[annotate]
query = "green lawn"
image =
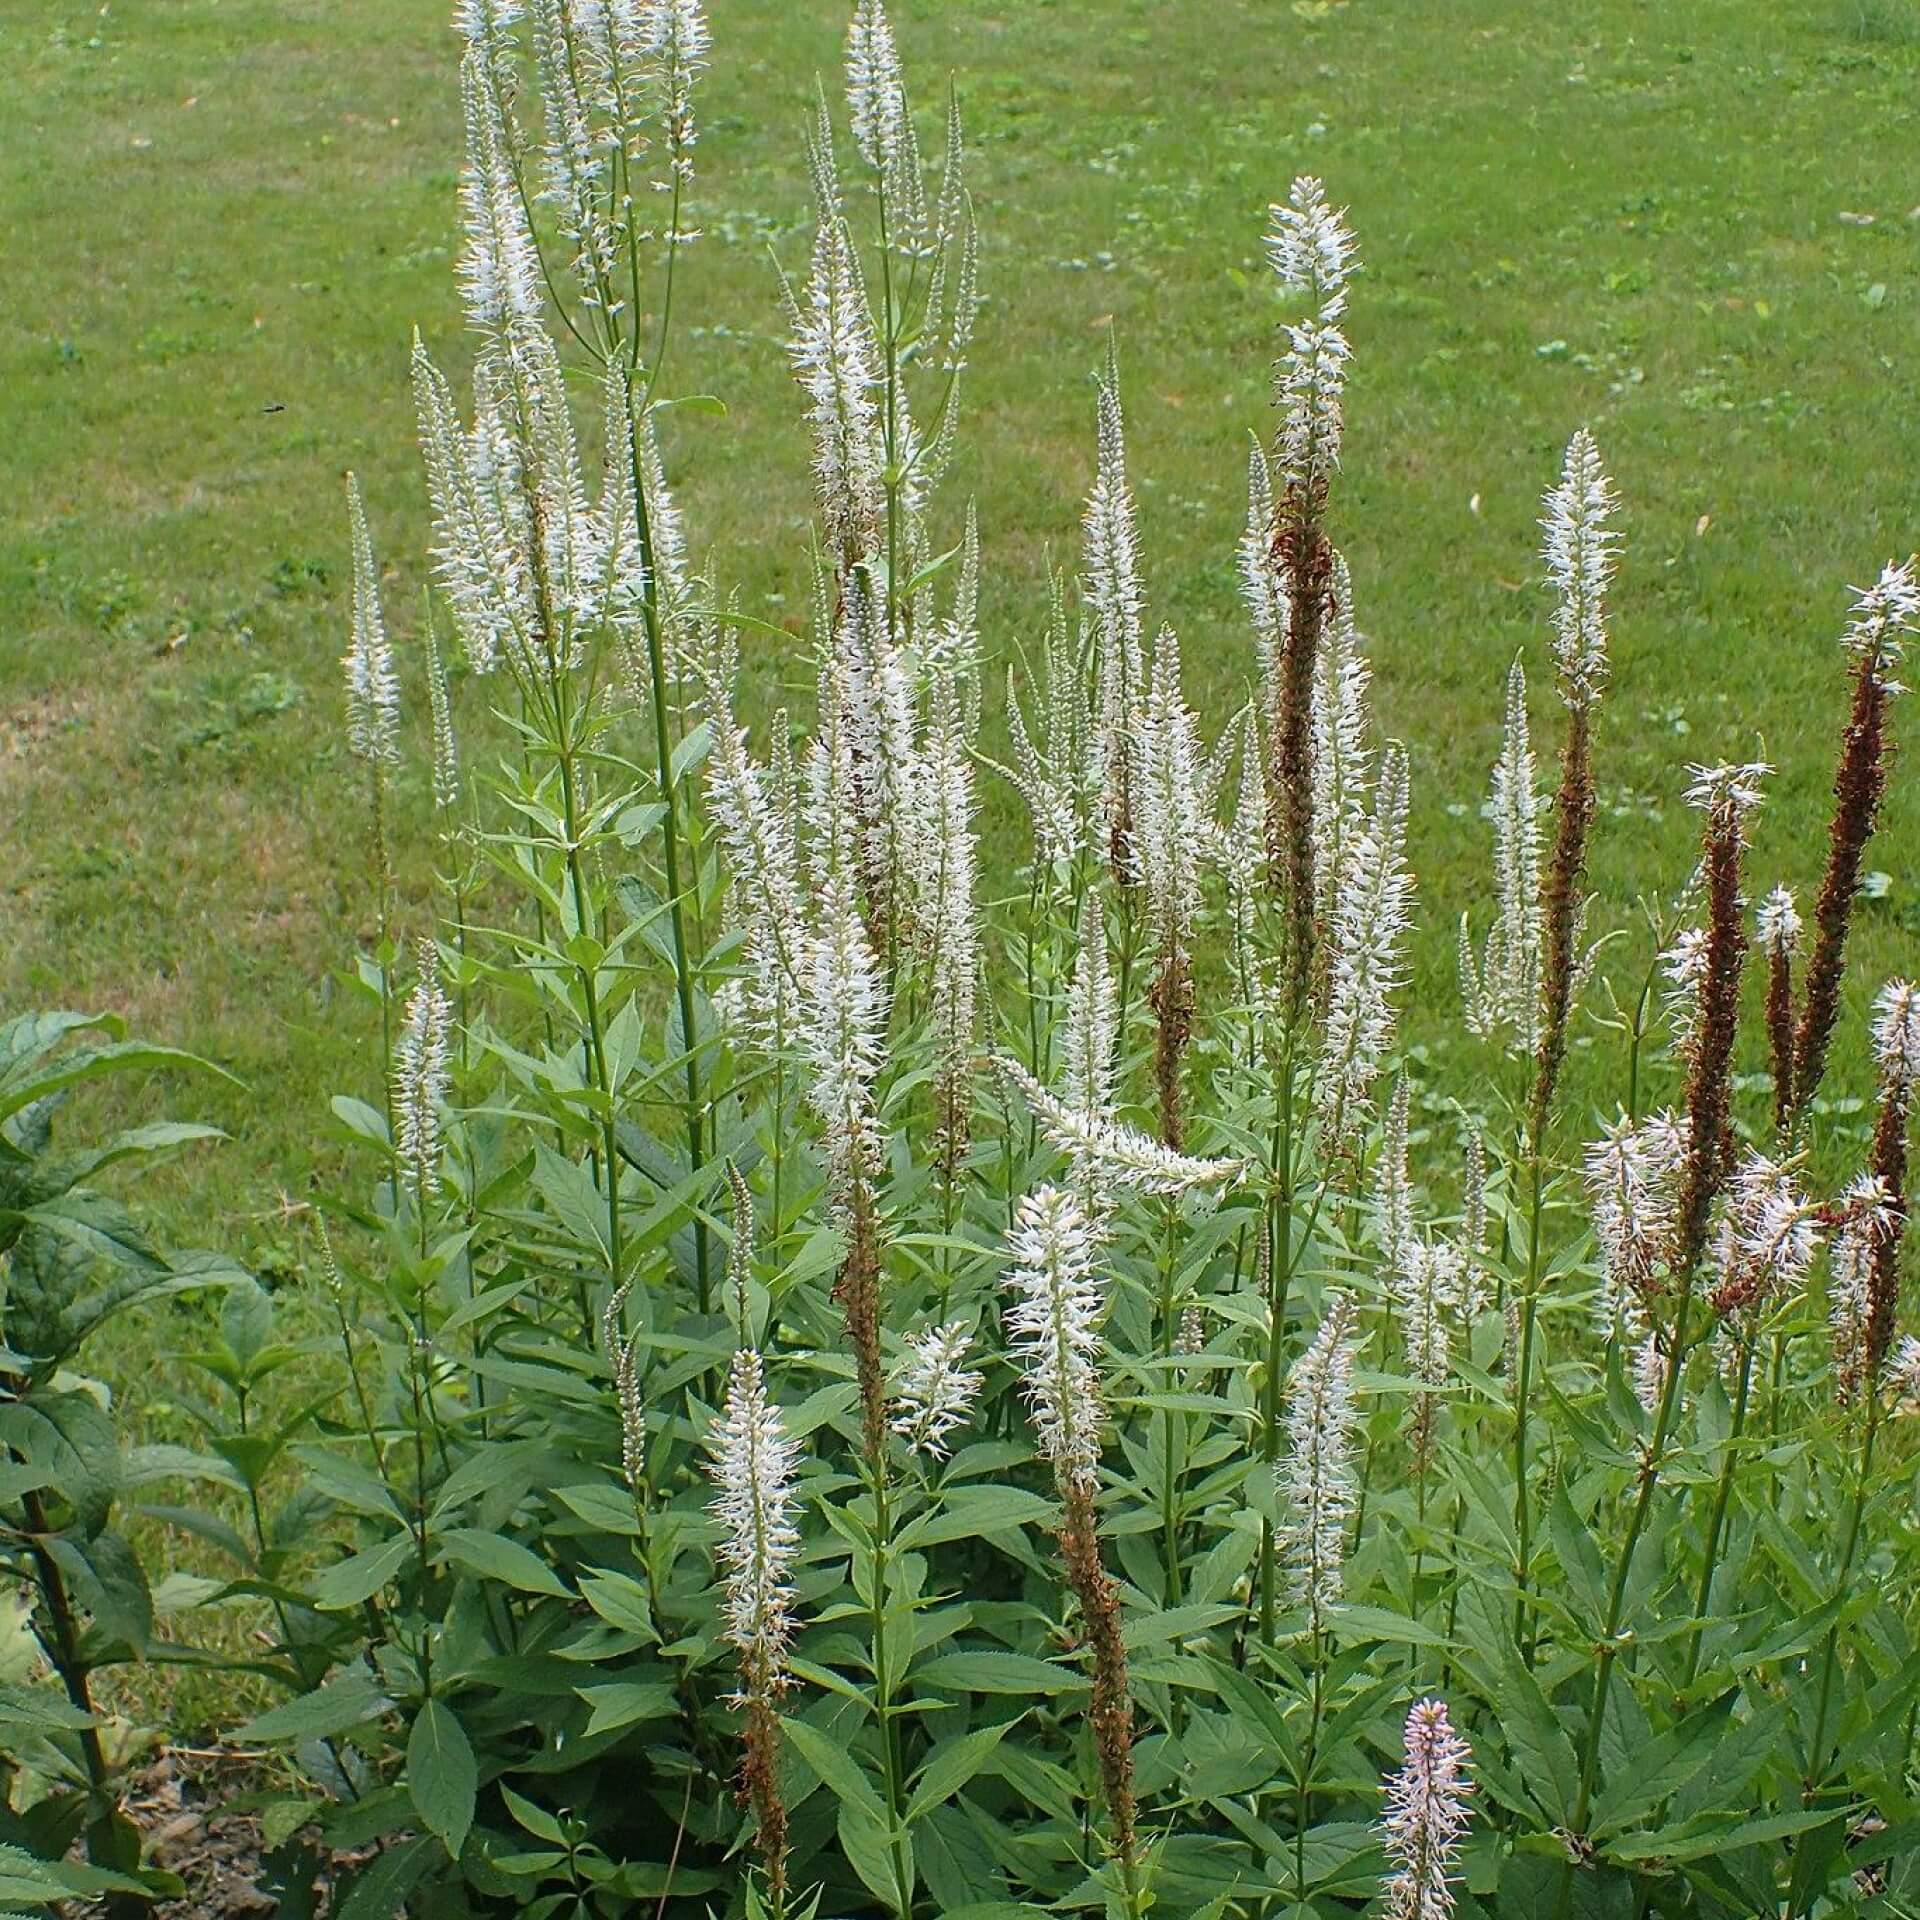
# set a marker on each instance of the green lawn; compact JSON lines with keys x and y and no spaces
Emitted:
{"x":1692,"y":228}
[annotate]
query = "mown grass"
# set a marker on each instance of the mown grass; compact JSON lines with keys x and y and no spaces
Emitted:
{"x":1692,"y":230}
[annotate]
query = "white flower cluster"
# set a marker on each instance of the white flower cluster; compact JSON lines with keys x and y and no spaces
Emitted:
{"x":1059,"y":1301}
{"x":752,"y":1462}
{"x":1311,"y":251}
{"x":1883,"y":615}
{"x":933,"y":1389}
{"x":1366,"y":955}
{"x":1579,"y":551}
{"x":1426,"y":1815}
{"x":373,"y":689}
{"x":1503,"y":989}
{"x":1316,"y":1480}
{"x":420,"y":1075}
{"x":1341,"y":733}
{"x":1632,"y":1176}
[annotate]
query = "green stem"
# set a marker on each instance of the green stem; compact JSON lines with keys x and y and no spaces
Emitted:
{"x":1279,"y":1229}
{"x":1522,"y":1397}
{"x":1722,"y":1498}
{"x":1175,"y":1424}
{"x":1609,"y":1649}
{"x":565,"y":750}
{"x":1308,"y":1760}
{"x":670,"y":840}
{"x":1816,"y":1753}
{"x":883,"y":1691}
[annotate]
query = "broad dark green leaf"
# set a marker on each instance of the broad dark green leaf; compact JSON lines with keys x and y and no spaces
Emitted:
{"x":441,"y":1774}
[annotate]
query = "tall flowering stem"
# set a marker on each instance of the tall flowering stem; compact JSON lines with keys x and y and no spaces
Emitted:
{"x":1579,"y":552}
{"x":1173,"y":806}
{"x":1726,"y":795}
{"x":1115,"y":599}
{"x":640,"y":456}
{"x":1059,"y":1300}
{"x":1318,"y":1491}
{"x":1896,"y":1048}
{"x":1312,"y":252}
{"x":1882,"y":616}
{"x":752,"y":1465}
{"x":1777,"y":933}
{"x":373,"y":737}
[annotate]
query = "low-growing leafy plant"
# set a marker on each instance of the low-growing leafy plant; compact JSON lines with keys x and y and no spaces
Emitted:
{"x":881,"y":1375}
{"x":73,"y":1257}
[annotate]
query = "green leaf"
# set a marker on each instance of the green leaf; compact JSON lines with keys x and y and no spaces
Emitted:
{"x":26,"y":1880}
{"x":1697,"y":1839}
{"x":90,"y":1064}
{"x":870,"y":1848}
{"x":1662,"y":1769}
{"x":342,"y":1704}
{"x":381,"y":1890}
{"x":619,"y":1600}
{"x":536,"y":1820}
{"x":1579,"y":1558}
{"x":1540,"y":1744}
{"x":837,"y":1768}
{"x":494,"y":1557}
{"x":441,"y":1775}
{"x":350,"y":1582}
{"x":1377,"y":1623}
{"x":359,"y":1118}
{"x":982,"y":1670}
{"x":110,"y":1582}
{"x":40,"y":1708}
{"x":952,"y":1764}
{"x":969,"y":1512}
{"x":602,"y":1505}
{"x":621,"y":1703}
{"x":70,"y":1436}
{"x":1173,"y":1623}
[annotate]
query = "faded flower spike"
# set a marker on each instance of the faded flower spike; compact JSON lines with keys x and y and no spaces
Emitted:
{"x":1054,"y":1326}
{"x":1767,"y":1239}
{"x":420,"y":1075}
{"x":1426,"y":1815}
{"x":933,"y":1391}
{"x":373,"y":689}
{"x":1883,"y":615}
